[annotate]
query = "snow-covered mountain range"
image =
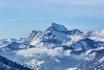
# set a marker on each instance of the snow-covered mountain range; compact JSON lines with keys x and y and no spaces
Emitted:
{"x":56,"y":48}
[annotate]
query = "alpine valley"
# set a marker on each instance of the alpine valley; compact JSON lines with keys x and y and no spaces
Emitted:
{"x":56,"y":48}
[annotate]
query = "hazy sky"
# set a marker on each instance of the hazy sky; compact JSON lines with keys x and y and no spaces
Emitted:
{"x":20,"y":17}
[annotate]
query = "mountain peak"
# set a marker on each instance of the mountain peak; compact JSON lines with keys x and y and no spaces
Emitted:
{"x":57,"y":27}
{"x":53,"y":24}
{"x":56,"y":33}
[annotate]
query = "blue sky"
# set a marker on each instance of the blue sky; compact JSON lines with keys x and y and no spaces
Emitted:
{"x":19,"y":17}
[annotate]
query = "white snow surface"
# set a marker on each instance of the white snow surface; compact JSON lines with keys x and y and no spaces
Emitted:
{"x":101,"y":60}
{"x":98,"y":36}
{"x":54,"y":58}
{"x":72,"y":68}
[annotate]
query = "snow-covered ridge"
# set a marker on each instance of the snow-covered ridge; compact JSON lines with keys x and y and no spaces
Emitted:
{"x":56,"y":48}
{"x":55,"y":34}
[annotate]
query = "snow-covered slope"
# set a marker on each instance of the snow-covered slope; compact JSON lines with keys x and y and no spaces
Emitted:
{"x":94,"y":59}
{"x":57,"y":48}
{"x":55,"y":35}
{"x":98,"y":35}
{"x":4,"y":43}
{"x":86,"y":44}
{"x":34,"y":37}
